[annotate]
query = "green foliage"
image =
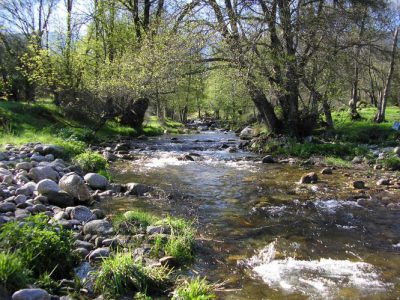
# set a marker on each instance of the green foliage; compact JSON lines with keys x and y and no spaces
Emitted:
{"x":47,"y":283}
{"x":13,"y":273}
{"x":90,"y":161}
{"x":391,"y":163}
{"x":180,"y":242}
{"x":194,"y":289}
{"x":77,"y":134}
{"x":43,"y":247}
{"x":142,"y":218}
{"x":336,"y":161}
{"x":141,"y":296}
{"x":365,"y":131}
{"x":306,"y":150}
{"x":121,"y":274}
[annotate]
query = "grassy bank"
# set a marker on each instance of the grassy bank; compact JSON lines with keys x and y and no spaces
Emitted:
{"x":22,"y":123}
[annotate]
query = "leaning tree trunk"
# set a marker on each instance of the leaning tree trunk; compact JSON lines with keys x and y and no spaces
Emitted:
{"x":380,"y":116}
{"x":134,"y":115}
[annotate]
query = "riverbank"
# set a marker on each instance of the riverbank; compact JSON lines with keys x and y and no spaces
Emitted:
{"x":53,"y":231}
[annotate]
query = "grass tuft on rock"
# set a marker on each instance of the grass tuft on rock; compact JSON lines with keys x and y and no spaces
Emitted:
{"x":91,"y":162}
{"x":121,"y":274}
{"x":194,"y":289}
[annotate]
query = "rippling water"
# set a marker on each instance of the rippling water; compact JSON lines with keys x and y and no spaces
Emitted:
{"x":262,"y":233}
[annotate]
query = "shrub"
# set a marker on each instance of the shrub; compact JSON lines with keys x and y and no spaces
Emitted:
{"x":74,"y":134}
{"x":13,"y":273}
{"x":71,"y":148}
{"x":121,"y":274}
{"x":391,"y":163}
{"x":195,"y":289}
{"x":91,"y":162}
{"x":43,"y":247}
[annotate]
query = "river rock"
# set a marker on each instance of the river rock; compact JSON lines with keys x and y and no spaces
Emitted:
{"x":50,"y":149}
{"x":246,"y":134}
{"x":98,"y":227}
{"x":309,"y":178}
{"x":357,"y":160}
{"x":23,"y":166}
{"x":47,"y":186}
{"x":74,"y":185}
{"x":326,"y":171}
{"x":168,"y":261}
{"x":4,"y":172}
{"x":96,"y":181}
{"x":8,"y":179}
{"x":359,"y":184}
{"x":39,"y":173}
{"x":268,"y":159}
{"x":4,"y":156}
{"x":31,"y":294}
{"x":60,"y":198}
{"x":82,"y":244}
{"x":82,"y":214}
{"x":383,"y":181}
{"x":7,"y":207}
{"x":159,"y":229}
{"x":99,"y":254}
{"x":38,"y":158}
{"x":137,"y":189}
{"x":109,"y":156}
{"x":27,"y":189}
{"x":397,"y":150}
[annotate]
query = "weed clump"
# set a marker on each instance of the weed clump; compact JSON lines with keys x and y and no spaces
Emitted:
{"x":43,"y":247}
{"x":121,"y":274}
{"x":91,"y":162}
{"x":194,"y":289}
{"x":13,"y":273}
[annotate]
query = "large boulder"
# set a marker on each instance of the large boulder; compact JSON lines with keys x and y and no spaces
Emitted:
{"x":39,"y":173}
{"x":96,"y":181}
{"x":246,"y":134}
{"x":74,"y":185}
{"x":47,"y":186}
{"x":31,"y":294}
{"x":98,"y":227}
{"x":82,"y":214}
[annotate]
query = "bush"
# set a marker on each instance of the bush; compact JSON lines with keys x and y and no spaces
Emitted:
{"x":74,"y":134}
{"x":195,"y":289}
{"x":391,"y":163}
{"x":43,"y":247}
{"x":121,"y":274}
{"x":91,"y":162}
{"x":13,"y":273}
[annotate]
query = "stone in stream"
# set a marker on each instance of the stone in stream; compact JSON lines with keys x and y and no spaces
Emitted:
{"x":137,"y":189}
{"x":326,"y":171}
{"x":246,"y":134}
{"x":74,"y":185}
{"x":99,"y":254}
{"x":357,"y":160}
{"x":23,"y":166}
{"x":109,"y":156}
{"x":268,"y":159}
{"x":27,"y":189}
{"x":383,"y":181}
{"x":60,"y":198}
{"x":397,"y":150}
{"x":359,"y":184}
{"x":309,"y":178}
{"x":7,"y":207}
{"x":31,"y":294}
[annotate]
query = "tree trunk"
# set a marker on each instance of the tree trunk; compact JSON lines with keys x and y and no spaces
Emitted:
{"x":380,"y":116}
{"x":134,"y":116}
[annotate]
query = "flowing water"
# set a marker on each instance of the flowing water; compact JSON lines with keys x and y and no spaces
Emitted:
{"x":260,"y":232}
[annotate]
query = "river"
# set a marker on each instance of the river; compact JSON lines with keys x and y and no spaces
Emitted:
{"x":260,"y":232}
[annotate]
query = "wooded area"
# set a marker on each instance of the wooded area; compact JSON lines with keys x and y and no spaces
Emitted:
{"x":288,"y":63}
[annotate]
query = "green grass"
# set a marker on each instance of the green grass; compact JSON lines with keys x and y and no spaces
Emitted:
{"x":365,"y":131}
{"x":338,"y":162}
{"x":13,"y":273}
{"x":121,"y":274}
{"x":194,"y":289}
{"x":43,"y":247}
{"x":142,"y":218}
{"x":391,"y":163}
{"x":154,"y":126}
